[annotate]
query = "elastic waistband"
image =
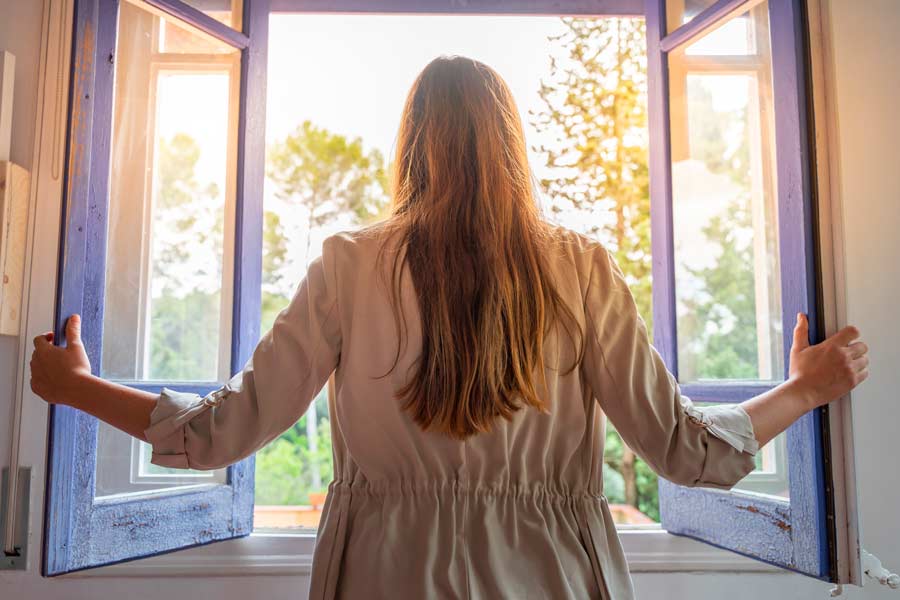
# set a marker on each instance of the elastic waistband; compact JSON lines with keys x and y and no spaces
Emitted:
{"x":462,"y":488}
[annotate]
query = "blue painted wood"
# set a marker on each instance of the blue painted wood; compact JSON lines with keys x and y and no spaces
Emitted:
{"x":249,"y":229}
{"x":730,"y":520}
{"x":714,"y":14}
{"x":620,"y":8}
{"x":155,"y":387}
{"x":80,"y":531}
{"x":661,"y":237}
{"x":68,"y":434}
{"x":793,"y":534}
{"x":724,"y":392}
{"x":805,"y":442}
{"x":202,"y":21}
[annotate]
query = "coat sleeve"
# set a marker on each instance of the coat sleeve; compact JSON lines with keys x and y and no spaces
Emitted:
{"x":289,"y":366}
{"x":686,"y":444}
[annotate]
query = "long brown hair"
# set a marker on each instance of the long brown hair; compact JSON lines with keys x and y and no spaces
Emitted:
{"x":475,"y":243}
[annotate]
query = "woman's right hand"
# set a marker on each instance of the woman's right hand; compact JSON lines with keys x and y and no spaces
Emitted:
{"x":54,"y":369}
{"x":828,"y":370}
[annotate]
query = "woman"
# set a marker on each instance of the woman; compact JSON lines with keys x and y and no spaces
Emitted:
{"x":476,"y":350}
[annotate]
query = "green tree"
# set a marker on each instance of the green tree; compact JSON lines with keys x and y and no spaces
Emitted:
{"x":275,"y":252}
{"x":329,"y":175}
{"x":721,"y":317}
{"x":188,"y":224}
{"x":284,"y":468}
{"x":595,"y":103}
{"x":717,"y":321}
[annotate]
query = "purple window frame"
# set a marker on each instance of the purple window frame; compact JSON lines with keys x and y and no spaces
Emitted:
{"x":81,"y":531}
{"x":799,"y":533}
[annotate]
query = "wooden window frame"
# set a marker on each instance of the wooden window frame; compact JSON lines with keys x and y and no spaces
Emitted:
{"x":799,"y":534}
{"x":202,"y":513}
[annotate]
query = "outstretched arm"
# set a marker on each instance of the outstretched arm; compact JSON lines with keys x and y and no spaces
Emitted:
{"x":289,"y":365}
{"x":709,"y":446}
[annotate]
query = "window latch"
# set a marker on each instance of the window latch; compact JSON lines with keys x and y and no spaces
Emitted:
{"x":13,"y":557}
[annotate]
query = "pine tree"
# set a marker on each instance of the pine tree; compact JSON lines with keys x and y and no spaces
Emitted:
{"x":595,"y":104}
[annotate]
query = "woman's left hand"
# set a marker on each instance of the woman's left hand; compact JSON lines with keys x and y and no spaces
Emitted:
{"x":54,"y":368}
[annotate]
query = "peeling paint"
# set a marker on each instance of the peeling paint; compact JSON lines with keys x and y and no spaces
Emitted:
{"x":780,"y":523}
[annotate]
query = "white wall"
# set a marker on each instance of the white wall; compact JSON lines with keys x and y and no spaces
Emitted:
{"x":866,"y":39}
{"x":19,"y":34}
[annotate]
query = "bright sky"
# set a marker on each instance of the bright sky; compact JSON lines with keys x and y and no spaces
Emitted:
{"x":351,"y":73}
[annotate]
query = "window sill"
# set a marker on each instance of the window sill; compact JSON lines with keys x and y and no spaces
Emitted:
{"x":647,"y":548}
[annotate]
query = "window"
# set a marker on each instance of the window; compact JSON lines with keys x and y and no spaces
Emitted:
{"x":725,"y":220}
{"x":169,"y":98}
{"x":733,"y":242}
{"x":168,"y":294}
{"x":161,"y":250}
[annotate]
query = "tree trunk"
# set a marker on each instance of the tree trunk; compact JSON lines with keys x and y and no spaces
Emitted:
{"x":629,"y":474}
{"x":312,"y":424}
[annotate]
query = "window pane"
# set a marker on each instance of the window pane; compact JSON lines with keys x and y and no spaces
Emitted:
{"x":168,"y":287}
{"x":123,"y":467}
{"x":727,"y":271}
{"x":167,"y":305}
{"x":679,"y":12}
{"x":771,"y":474}
{"x":734,"y":37}
{"x":224,"y":11}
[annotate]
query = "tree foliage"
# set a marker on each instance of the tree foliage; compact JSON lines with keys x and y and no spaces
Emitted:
{"x":329,"y":176}
{"x":595,"y":103}
{"x":717,"y":320}
{"x":188,"y":223}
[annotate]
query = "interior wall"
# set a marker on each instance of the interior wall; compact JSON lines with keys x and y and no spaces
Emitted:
{"x":20,"y":32}
{"x":867,"y":84}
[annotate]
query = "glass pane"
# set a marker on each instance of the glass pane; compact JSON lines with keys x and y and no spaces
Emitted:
{"x":551,"y":65}
{"x":167,"y":310}
{"x":123,"y":467}
{"x":727,"y":271}
{"x":734,"y":37}
{"x":771,"y":474}
{"x":224,"y":11}
{"x":170,"y":244}
{"x":679,"y":12}
{"x":174,"y":37}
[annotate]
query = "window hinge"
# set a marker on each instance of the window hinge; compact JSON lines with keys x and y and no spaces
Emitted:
{"x":14,"y":558}
{"x":872,"y":567}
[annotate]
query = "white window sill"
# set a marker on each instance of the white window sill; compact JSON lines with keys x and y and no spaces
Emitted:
{"x":647,"y":548}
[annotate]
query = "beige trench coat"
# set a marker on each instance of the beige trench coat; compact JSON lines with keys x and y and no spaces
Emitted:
{"x":517,"y":513}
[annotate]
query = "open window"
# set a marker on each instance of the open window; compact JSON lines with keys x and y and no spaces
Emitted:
{"x":161,"y":252}
{"x":735,"y":259}
{"x":172,"y":255}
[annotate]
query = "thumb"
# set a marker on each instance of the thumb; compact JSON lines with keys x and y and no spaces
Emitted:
{"x":73,"y":330}
{"x":801,"y":334}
